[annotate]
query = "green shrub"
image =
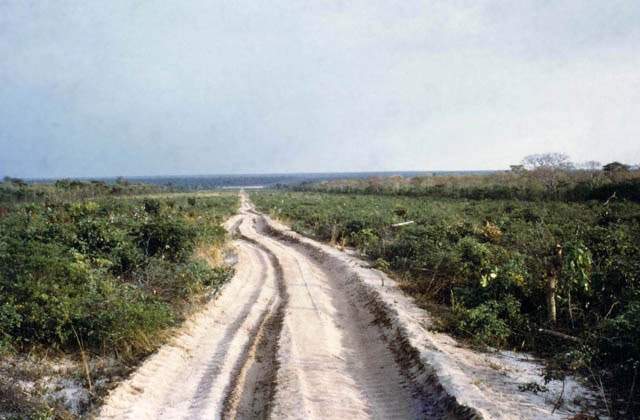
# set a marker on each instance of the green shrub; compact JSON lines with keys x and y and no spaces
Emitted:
{"x":365,"y":240}
{"x":482,"y":324}
{"x":475,"y":262}
{"x":10,"y":321}
{"x":151,"y":206}
{"x":103,"y":273}
{"x":166,"y":238}
{"x":492,"y":323}
{"x":618,"y":343}
{"x":176,"y":282}
{"x":123,"y":317}
{"x":400,"y":211}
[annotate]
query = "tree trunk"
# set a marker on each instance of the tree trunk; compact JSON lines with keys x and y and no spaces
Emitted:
{"x":552,"y":283}
{"x":570,"y":308}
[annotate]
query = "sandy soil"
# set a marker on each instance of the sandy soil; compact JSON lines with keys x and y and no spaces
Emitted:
{"x":304,"y":331}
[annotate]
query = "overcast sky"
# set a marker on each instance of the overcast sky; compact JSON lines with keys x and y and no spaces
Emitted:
{"x":141,"y":87}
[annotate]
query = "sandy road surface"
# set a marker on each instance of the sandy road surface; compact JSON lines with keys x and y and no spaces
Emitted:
{"x":285,"y":339}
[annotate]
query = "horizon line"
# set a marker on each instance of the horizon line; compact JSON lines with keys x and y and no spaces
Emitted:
{"x":99,"y":177}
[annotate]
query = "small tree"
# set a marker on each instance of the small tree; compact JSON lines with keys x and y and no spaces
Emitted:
{"x":517,"y":169}
{"x":590,"y":165}
{"x":554,"y":265}
{"x":592,"y":170}
{"x":615,"y":167}
{"x":616,"y":171}
{"x":554,"y":161}
{"x":548,"y":168}
{"x":576,"y":271}
{"x":15,"y":181}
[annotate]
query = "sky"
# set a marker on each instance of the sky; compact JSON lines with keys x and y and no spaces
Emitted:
{"x":141,"y":87}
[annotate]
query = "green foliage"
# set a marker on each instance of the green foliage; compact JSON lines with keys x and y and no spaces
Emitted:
{"x":475,"y":263}
{"x":14,"y":191}
{"x":152,"y":206}
{"x":621,"y":338}
{"x":491,"y":323}
{"x":577,"y":266}
{"x":111,"y":273}
{"x":400,"y":211}
{"x":364,"y":239}
{"x":483,"y":324}
{"x":381,"y":264}
{"x":549,"y":182}
{"x":175,"y":283}
{"x":167,"y":238}
{"x":617,"y":346}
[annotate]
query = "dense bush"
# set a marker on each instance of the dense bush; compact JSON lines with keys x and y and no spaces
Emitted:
{"x":507,"y":268}
{"x":13,"y":190}
{"x":166,"y":238}
{"x":110,"y":274}
{"x":490,"y":323}
{"x":534,"y":185}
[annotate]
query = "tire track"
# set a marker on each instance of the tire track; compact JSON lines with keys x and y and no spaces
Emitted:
{"x":345,"y":370}
{"x":197,"y":408}
{"x":252,"y":389}
{"x":190,"y":377}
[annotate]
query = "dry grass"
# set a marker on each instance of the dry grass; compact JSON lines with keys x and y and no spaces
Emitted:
{"x":212,"y":254}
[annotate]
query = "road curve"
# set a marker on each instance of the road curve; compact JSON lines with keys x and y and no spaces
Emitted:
{"x":287,"y":338}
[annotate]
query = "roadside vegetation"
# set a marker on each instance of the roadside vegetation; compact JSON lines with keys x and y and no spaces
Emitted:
{"x":14,"y":191}
{"x":540,"y":177}
{"x":554,"y":273}
{"x":90,"y":275}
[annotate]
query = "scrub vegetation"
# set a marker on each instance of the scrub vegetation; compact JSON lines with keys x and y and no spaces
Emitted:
{"x":85,"y":273}
{"x":547,"y":274}
{"x":14,"y":191}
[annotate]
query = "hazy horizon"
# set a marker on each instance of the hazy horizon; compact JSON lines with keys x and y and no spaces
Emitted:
{"x":139,"y":88}
{"x":401,"y":172}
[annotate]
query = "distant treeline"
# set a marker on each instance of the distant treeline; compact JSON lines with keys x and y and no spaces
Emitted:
{"x":532,"y":182}
{"x":628,"y":189}
{"x":15,"y":190}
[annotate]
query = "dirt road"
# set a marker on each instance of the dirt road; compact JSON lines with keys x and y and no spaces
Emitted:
{"x":305,"y":331}
{"x":287,"y":338}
